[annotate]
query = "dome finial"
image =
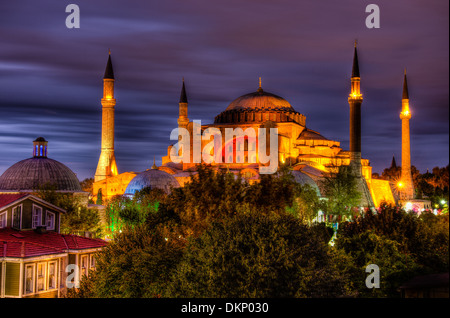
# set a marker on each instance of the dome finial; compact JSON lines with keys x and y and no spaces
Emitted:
{"x":154,"y":163}
{"x":260,"y":88}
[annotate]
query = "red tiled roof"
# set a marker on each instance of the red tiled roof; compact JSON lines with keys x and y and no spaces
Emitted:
{"x":8,"y":198}
{"x":15,"y":243}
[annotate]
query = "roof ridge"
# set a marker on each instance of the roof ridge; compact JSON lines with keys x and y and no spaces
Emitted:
{"x":32,"y":242}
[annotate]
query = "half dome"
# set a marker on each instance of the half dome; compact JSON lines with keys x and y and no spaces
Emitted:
{"x":308,"y":134}
{"x":152,"y":178}
{"x":303,"y":178}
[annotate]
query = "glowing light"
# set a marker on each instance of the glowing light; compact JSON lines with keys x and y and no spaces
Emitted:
{"x":443,"y":202}
{"x":400,"y":184}
{"x":408,"y":206}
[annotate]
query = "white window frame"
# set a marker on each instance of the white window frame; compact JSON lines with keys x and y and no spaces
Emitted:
{"x":47,"y":213}
{"x":55,"y":275}
{"x":13,"y":211}
{"x":92,"y":261}
{"x":44,"y":278}
{"x":3,"y":223}
{"x":85,"y":269}
{"x":33,"y":215}
{"x":33,"y":287}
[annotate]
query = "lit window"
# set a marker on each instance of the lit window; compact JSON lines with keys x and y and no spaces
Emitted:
{"x":84,"y":265}
{"x":17,"y":217}
{"x":36,"y":217}
{"x":92,"y":261}
{"x":50,"y":220}
{"x":40,"y":277}
{"x":51,"y":275}
{"x":29,"y":279}
{"x":2,"y":220}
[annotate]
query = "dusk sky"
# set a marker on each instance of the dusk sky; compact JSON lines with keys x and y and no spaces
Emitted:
{"x":51,"y":76}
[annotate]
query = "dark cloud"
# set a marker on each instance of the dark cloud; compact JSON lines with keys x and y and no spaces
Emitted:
{"x":51,"y":76}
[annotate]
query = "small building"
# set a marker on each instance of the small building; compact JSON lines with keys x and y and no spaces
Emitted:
{"x":34,"y":256}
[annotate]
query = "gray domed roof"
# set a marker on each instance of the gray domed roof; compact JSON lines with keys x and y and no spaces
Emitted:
{"x":303,"y":179}
{"x":33,"y":173}
{"x":152,"y":178}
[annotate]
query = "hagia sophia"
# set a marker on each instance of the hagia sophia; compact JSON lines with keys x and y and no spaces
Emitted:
{"x":311,"y":155}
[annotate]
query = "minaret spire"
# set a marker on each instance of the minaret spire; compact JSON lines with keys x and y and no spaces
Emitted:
{"x":183,"y":119}
{"x":393,"y":163}
{"x":355,"y":68}
{"x":405,"y":94}
{"x":109,"y":73}
{"x":183,"y":96}
{"x":107,"y":166}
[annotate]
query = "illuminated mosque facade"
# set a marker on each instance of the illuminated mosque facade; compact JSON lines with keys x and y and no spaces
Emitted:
{"x":311,"y":155}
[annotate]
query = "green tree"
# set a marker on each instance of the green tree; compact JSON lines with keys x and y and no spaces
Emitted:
{"x":394,"y":266}
{"x":78,"y":217}
{"x":87,"y":185}
{"x":306,"y":205}
{"x":255,"y":254}
{"x":342,"y":194}
{"x":402,"y":243}
{"x":210,"y":195}
{"x":137,"y":263}
{"x":99,"y":200}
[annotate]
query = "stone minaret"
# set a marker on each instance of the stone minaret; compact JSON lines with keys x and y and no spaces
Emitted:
{"x":183,"y":119}
{"x":406,"y":187}
{"x":107,"y":162}
{"x":355,"y":100}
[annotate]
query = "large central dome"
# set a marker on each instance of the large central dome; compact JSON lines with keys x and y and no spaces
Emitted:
{"x":260,"y":100}
{"x":259,"y":107}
